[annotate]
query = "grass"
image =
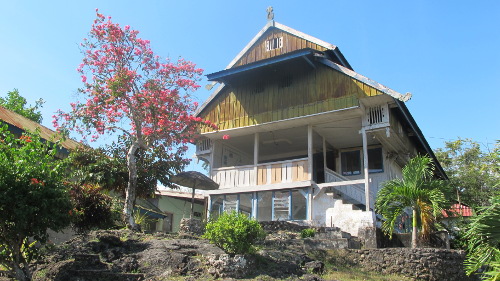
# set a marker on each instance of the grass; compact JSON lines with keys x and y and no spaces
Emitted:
{"x":354,"y":273}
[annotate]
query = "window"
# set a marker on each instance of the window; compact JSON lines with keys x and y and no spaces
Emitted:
{"x":274,"y":43}
{"x":351,"y":163}
{"x":375,"y":163}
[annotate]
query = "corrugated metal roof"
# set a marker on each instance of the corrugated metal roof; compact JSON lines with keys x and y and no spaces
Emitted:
{"x":457,"y":210}
{"x":179,"y":194}
{"x":26,"y":124}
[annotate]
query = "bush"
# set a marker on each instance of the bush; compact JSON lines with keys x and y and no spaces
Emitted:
{"x":307,"y":233}
{"x":235,"y":233}
{"x":91,"y":208}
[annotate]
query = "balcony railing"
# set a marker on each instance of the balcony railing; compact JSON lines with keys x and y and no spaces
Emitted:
{"x":262,"y":174}
{"x":203,"y":146}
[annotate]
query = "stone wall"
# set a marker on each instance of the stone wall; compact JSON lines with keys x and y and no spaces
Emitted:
{"x":420,"y":264}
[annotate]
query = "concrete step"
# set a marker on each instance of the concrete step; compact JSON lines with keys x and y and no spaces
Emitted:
{"x":325,"y":244}
{"x":331,"y":233}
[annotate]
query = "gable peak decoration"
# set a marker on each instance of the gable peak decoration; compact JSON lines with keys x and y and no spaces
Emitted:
{"x":270,"y":13}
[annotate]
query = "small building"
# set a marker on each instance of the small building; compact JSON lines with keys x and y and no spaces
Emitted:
{"x":301,"y":136}
{"x":176,"y":205}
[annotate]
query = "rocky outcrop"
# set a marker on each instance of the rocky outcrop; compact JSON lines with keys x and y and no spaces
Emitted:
{"x":420,"y":264}
{"x":124,"y":255}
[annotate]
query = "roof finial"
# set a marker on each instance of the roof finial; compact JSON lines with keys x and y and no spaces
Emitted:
{"x":270,"y":14}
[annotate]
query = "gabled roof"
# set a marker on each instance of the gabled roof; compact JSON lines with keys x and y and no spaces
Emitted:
{"x":273,"y":24}
{"x":25,"y":124}
{"x":332,"y":52}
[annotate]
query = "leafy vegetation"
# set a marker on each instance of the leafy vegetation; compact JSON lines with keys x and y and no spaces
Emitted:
{"x":307,"y":233}
{"x":234,"y":232}
{"x":33,"y":198}
{"x":417,"y":190}
{"x":483,"y":237}
{"x":15,"y":102}
{"x":474,"y":172}
{"x":91,"y":208}
{"x":132,"y":93}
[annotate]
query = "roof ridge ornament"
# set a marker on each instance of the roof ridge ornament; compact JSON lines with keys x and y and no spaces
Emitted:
{"x":270,"y":13}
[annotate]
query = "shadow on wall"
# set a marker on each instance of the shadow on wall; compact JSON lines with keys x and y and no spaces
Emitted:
{"x":439,"y":239}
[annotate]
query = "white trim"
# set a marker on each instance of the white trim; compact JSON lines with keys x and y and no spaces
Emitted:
{"x":364,"y":79}
{"x":340,"y":183}
{"x":269,"y":187}
{"x":284,"y":28}
{"x":209,"y":99}
{"x":305,"y":36}
{"x":254,"y":40}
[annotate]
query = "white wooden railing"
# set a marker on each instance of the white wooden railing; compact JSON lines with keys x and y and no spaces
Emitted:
{"x":262,"y":174}
{"x":352,"y":189}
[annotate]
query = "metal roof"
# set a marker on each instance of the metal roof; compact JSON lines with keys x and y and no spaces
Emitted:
{"x":26,"y":124}
{"x":221,"y":75}
{"x":457,"y":210}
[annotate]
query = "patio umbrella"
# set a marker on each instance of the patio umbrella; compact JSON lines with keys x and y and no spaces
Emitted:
{"x":193,"y":179}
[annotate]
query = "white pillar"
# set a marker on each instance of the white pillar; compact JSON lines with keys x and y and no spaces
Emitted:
{"x":310,"y":151}
{"x":209,"y":207}
{"x":310,"y":204}
{"x":365,"y":166}
{"x":324,"y":155}
{"x":255,"y":157}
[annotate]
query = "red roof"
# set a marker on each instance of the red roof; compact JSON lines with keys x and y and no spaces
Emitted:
{"x":457,"y":210}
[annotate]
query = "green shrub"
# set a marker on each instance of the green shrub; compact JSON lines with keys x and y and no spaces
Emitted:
{"x":235,"y":233}
{"x":308,"y":232}
{"x":91,"y":208}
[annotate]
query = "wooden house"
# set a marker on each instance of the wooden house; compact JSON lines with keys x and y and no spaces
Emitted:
{"x":301,"y":136}
{"x":18,"y":124}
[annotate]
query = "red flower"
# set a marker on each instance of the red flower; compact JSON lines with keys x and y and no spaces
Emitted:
{"x":34,"y":181}
{"x":225,"y":137}
{"x":25,"y":138}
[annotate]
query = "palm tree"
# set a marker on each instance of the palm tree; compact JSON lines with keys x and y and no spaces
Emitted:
{"x":417,"y":190}
{"x":483,"y":241}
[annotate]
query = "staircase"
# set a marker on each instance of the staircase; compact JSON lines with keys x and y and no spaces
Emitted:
{"x":332,"y":238}
{"x":325,"y":237}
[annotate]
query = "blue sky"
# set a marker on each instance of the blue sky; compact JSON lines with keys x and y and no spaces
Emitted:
{"x":446,"y":53}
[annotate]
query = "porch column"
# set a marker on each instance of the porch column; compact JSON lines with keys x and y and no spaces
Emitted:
{"x":254,"y":205}
{"x":365,"y":166}
{"x":255,"y":157}
{"x":310,"y":168}
{"x":212,"y":155}
{"x":310,"y":151}
{"x":324,"y":154}
{"x":309,"y":203}
{"x":209,"y":207}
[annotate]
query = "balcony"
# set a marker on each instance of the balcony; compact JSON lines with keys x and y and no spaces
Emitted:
{"x":263,"y":174}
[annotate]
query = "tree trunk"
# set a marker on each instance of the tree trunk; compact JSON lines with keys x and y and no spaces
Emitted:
{"x":22,"y":274}
{"x":415,"y":229}
{"x":130,"y":193}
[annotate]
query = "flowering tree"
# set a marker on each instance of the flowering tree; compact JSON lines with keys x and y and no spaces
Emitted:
{"x":130,"y":91}
{"x":33,"y":198}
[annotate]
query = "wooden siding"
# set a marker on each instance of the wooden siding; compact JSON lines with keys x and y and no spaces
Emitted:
{"x":267,"y":173}
{"x":310,"y":92}
{"x":290,"y":43}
